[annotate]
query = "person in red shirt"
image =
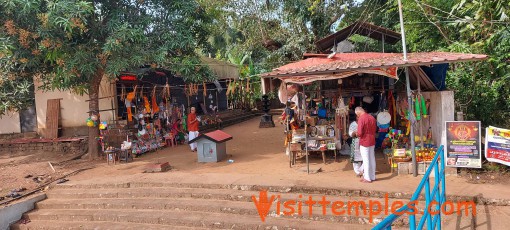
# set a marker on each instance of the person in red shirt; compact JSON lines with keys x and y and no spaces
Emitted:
{"x":367,"y":127}
{"x":192,"y":128}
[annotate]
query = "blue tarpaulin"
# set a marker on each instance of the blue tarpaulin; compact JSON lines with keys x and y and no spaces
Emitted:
{"x":437,"y":73}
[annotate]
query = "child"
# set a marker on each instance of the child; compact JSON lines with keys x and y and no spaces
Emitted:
{"x":177,"y":131}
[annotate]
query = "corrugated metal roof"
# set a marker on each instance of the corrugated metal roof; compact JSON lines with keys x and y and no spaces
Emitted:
{"x":361,"y":28}
{"x":357,"y":61}
{"x":224,"y":70}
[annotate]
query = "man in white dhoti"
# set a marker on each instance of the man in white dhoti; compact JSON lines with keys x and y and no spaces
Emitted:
{"x":193,"y":123}
{"x":356,"y":159}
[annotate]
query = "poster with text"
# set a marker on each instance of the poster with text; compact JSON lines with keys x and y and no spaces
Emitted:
{"x":497,"y":145}
{"x":463,"y":144}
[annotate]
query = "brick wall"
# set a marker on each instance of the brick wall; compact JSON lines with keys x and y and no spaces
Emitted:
{"x":71,"y":148}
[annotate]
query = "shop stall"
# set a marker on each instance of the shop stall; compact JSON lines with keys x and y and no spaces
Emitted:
{"x":322,"y":91}
{"x":152,"y":109}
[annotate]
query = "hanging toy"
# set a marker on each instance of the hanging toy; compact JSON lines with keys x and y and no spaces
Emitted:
{"x":417,"y":108}
{"x":408,"y":127}
{"x":426,"y":107}
{"x":103,"y":125}
{"x":146,"y":104}
{"x":90,"y":122}
{"x":429,"y":134}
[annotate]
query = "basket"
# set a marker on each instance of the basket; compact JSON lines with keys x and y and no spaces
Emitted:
{"x":401,"y":159}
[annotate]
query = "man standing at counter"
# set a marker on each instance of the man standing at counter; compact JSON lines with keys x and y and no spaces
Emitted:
{"x":367,"y":127}
{"x":193,"y":128}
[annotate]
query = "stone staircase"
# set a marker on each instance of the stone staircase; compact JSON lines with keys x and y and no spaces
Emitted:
{"x":189,"y":206}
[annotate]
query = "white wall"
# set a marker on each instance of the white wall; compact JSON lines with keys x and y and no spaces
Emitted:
{"x":10,"y":123}
{"x":74,"y":107}
{"x":442,"y":109}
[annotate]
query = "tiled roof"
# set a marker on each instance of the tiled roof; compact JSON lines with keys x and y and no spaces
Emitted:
{"x":320,"y":64}
{"x":217,"y":136}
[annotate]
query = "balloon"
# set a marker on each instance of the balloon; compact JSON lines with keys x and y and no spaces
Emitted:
{"x":90,"y":123}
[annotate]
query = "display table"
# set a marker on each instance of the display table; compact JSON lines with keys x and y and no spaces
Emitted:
{"x":296,"y":147}
{"x":111,"y":156}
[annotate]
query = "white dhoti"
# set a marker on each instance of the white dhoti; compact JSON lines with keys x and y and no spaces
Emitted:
{"x":368,"y":155}
{"x":356,"y":159}
{"x":192,"y":135}
{"x":358,"y":168}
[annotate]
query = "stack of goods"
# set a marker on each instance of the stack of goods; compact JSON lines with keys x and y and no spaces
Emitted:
{"x":426,"y":154}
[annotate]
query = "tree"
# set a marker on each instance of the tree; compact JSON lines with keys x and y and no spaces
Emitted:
{"x":74,"y":44}
{"x":456,"y":26}
{"x":275,"y":32}
{"x":469,"y":27}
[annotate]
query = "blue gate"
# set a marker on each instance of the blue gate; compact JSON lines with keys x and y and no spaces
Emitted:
{"x":433,"y":199}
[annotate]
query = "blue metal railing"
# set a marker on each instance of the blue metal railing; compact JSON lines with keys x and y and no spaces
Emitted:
{"x":433,"y":200}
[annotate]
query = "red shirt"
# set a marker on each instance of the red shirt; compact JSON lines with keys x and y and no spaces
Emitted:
{"x":192,"y":122}
{"x":367,"y":127}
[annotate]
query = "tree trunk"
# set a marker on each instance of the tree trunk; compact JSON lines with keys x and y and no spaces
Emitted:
{"x":94,"y":109}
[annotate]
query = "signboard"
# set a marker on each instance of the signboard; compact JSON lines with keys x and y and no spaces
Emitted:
{"x":463,"y":144}
{"x":128,"y":78}
{"x":497,"y":145}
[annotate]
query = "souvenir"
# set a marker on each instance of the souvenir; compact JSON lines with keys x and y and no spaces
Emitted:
{"x":383,"y":120}
{"x":90,"y":122}
{"x":103,"y":125}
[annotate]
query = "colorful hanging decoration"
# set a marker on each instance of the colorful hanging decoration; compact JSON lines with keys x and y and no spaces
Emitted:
{"x":424,"y":109}
{"x":417,"y":107}
{"x":91,"y":123}
{"x":103,"y":125}
{"x":392,"y":109}
{"x":155,"y":107}
{"x":166,"y":91}
{"x":146,"y":104}
{"x":130,"y":97}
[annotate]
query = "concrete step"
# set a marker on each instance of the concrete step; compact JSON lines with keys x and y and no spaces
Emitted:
{"x":351,"y":215}
{"x":182,"y":218}
{"x":96,"y":225}
{"x":213,"y":200}
{"x":249,"y":189}
{"x":203,"y":193}
{"x":219,"y":194}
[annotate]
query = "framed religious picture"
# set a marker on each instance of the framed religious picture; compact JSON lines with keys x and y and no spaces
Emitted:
{"x":463,"y":144}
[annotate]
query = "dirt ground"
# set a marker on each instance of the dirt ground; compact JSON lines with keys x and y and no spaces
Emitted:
{"x":485,"y":177}
{"x":257,"y":155}
{"x":24,"y":172}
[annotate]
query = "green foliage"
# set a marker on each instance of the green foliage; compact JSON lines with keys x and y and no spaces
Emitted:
{"x":482,"y":89}
{"x":73,"y":44}
{"x":274,"y":32}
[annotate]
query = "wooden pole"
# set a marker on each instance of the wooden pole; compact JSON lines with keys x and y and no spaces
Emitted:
{"x":306,"y":132}
{"x":421,"y":120}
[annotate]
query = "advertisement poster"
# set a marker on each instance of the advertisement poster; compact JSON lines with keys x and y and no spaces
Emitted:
{"x":463,"y":144}
{"x":497,"y":145}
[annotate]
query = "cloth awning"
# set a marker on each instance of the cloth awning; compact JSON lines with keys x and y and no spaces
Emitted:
{"x":320,"y":67}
